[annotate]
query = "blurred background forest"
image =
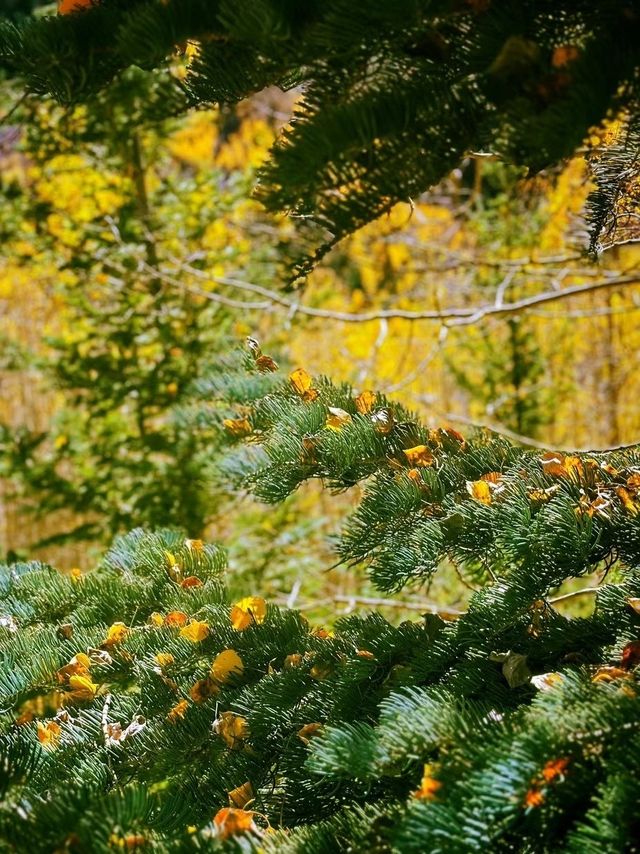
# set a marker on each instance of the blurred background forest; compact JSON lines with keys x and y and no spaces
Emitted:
{"x":132,"y":263}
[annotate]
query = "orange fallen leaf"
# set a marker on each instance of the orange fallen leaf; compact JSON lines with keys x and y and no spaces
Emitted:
{"x":564,"y":54}
{"x":308,"y":731}
{"x":365,"y":401}
{"x":337,"y":418}
{"x":68,"y":7}
{"x":232,"y":822}
{"x":420,"y":456}
{"x":241,"y":795}
{"x":227,"y":663}
{"x":533,"y":798}
{"x":429,"y":786}
{"x":266,"y":365}
{"x":554,"y":768}
{"x":196,"y":631}
{"x":293,"y":660}
{"x":232,"y":729}
{"x":175,"y":619}
{"x":203,"y":689}
{"x":480,"y":491}
{"x":247,"y":611}
{"x":82,"y":688}
{"x":190,"y":582}
{"x":194,"y":545}
{"x":302,"y":383}
{"x":631,"y":655}
{"x":609,"y":674}
{"x":78,"y":666}
{"x":178,"y":711}
{"x":116,"y":634}
{"x":321,"y":671}
{"x":49,"y":733}
{"x":365,"y":653}
{"x":237,"y":426}
{"x":627,"y":500}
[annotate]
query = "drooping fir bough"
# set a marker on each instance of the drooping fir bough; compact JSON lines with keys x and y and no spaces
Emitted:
{"x":393,"y":97}
{"x":141,"y":710}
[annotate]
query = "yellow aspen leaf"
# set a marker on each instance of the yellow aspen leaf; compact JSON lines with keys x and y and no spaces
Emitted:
{"x":82,"y":688}
{"x":321,"y":671}
{"x":323,"y":633}
{"x":194,"y":545}
{"x":233,"y":822}
{"x":172,"y":388}
{"x":420,"y":456}
{"x":241,"y":795}
{"x":75,"y":573}
{"x":553,"y":464}
{"x":178,"y":711}
{"x":609,"y":674}
{"x":116,"y":633}
{"x":633,"y":481}
{"x":307,"y":732}
{"x":429,"y":786}
{"x":203,"y":689}
{"x":302,"y":384}
{"x":365,"y":401}
{"x":293,"y":660}
{"x":175,"y":619}
{"x":164,"y":659}
{"x":156,"y":619}
{"x":554,"y":768}
{"x":266,"y":365}
{"x":533,"y":798}
{"x":479,"y":490}
{"x":237,"y":426}
{"x":542,"y":496}
{"x":68,"y":7}
{"x":78,"y":666}
{"x":232,"y":729}
{"x":247,"y":611}
{"x":337,"y":418}
{"x":195,"y":632}
{"x":49,"y":733}
{"x":627,"y":501}
{"x":171,"y":558}
{"x":227,"y":663}
{"x":190,"y":582}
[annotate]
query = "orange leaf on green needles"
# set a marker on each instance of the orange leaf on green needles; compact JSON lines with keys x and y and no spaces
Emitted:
{"x":231,"y":822}
{"x":190,"y":582}
{"x":78,"y":666}
{"x":195,"y":632}
{"x":480,"y":491}
{"x":631,"y":655}
{"x":68,"y":7}
{"x":628,"y":502}
{"x":420,"y":456}
{"x":196,"y":546}
{"x":308,"y":731}
{"x":559,"y":465}
{"x":554,"y":768}
{"x":49,"y":733}
{"x":82,"y":688}
{"x":429,"y":786}
{"x":247,"y":611}
{"x":241,"y":795}
{"x":203,"y":690}
{"x":337,"y":418}
{"x":175,"y":619}
{"x":226,"y":664}
{"x":237,"y":426}
{"x":178,"y":711}
{"x":609,"y":674}
{"x":232,"y":729}
{"x":266,"y":365}
{"x":365,"y":401}
{"x":534,"y":798}
{"x":116,"y":634}
{"x":302,"y":383}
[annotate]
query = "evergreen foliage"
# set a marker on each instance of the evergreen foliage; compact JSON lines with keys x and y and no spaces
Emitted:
{"x":512,"y":728}
{"x":392,"y":99}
